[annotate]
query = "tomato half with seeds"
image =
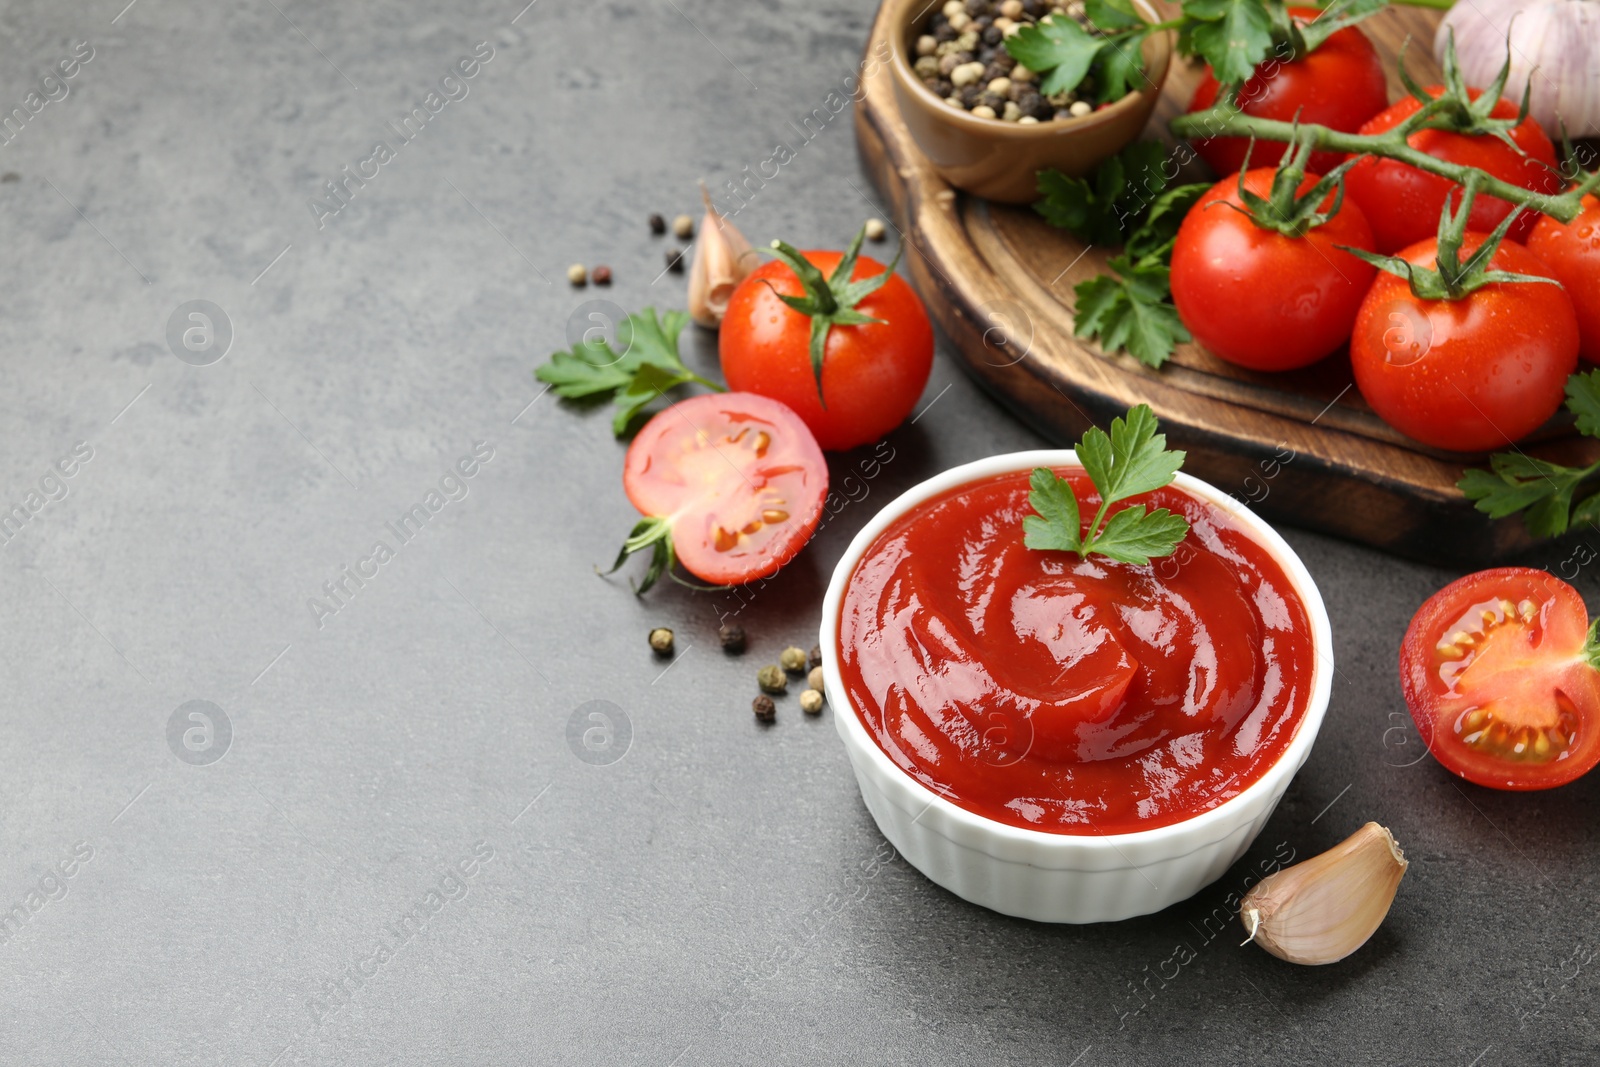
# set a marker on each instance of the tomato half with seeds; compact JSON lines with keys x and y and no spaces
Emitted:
{"x":1499,"y":670}
{"x":731,"y":485}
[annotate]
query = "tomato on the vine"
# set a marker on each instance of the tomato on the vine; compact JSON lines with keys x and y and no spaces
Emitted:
{"x":1341,"y":84}
{"x":1403,"y":203}
{"x":1572,"y":252}
{"x":1304,"y":291}
{"x":1469,"y":374}
{"x":875,"y":357}
{"x":731,"y":485}
{"x":1499,"y":671}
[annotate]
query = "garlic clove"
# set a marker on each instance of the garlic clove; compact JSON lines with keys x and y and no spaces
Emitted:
{"x":1325,"y":908}
{"x":722,"y":259}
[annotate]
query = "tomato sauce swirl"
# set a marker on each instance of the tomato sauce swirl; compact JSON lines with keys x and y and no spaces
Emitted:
{"x":1074,"y":696}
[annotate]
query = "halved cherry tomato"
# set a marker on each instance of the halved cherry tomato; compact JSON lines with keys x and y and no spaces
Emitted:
{"x":734,"y":479}
{"x":1499,"y":671}
{"x":1572,"y":252}
{"x":1403,"y":203}
{"x":1340,"y":85}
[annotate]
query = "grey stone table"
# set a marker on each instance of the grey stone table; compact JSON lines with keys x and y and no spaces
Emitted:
{"x":379,"y":836}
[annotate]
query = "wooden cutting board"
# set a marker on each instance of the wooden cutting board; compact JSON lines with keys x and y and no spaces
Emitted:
{"x":1299,"y":447}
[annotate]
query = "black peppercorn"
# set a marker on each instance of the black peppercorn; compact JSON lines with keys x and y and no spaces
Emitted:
{"x":732,"y":638}
{"x":815,"y":659}
{"x":943,"y":87}
{"x":765,"y":709}
{"x":1033,"y":8}
{"x":992,"y":35}
{"x":601,"y":275}
{"x":969,"y":96}
{"x":675,"y":260}
{"x":993,"y":101}
{"x":976,"y":7}
{"x":993,"y":71}
{"x":658,"y":225}
{"x":945,"y":33}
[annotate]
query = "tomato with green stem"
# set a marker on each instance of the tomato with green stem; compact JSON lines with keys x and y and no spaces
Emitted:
{"x":1403,"y":203}
{"x":1279,"y":236}
{"x":849,"y":351}
{"x":1464,"y":342}
{"x":731,"y":485}
{"x":1339,"y":84}
{"x":1572,"y":252}
{"x":1501,"y":672}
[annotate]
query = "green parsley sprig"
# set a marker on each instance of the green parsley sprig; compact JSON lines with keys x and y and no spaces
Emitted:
{"x":1547,"y":494}
{"x":648,"y":366}
{"x":1127,"y":201}
{"x":1234,"y":37}
{"x":1131,"y":460}
{"x":1064,"y":52}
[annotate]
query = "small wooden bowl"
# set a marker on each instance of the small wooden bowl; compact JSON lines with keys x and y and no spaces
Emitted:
{"x":999,"y":160}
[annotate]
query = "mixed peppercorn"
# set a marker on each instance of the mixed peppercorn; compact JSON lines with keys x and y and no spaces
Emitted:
{"x":961,"y":56}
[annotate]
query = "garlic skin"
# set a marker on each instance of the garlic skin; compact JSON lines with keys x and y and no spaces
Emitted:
{"x":722,"y":259}
{"x":1325,"y":908}
{"x":1557,"y":41}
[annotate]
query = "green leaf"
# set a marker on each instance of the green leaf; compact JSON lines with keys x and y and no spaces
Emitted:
{"x":1140,"y":461}
{"x":1112,"y":14}
{"x":1131,"y":311}
{"x":647,"y":366}
{"x":1516,"y":482}
{"x":1131,"y":536}
{"x":1057,"y":524}
{"x":1154,"y":236}
{"x":1102,"y":209}
{"x":1335,"y":17}
{"x":590,"y":369}
{"x":1058,"y":49}
{"x":1132,"y":459}
{"x":1542,"y":491}
{"x":650,"y":382}
{"x":1233,"y":36}
{"x":1088,"y":212}
{"x":1583,"y":400}
{"x":1587,"y":513}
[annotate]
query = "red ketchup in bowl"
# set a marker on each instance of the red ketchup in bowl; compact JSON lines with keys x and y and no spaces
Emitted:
{"x":1074,"y":696}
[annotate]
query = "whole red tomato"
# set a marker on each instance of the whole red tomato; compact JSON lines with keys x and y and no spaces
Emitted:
{"x":1403,"y":203}
{"x":1498,"y":671}
{"x":1304,"y":292}
{"x":872,"y":373}
{"x":1470,"y":374}
{"x":1572,"y":252}
{"x":1340,"y":85}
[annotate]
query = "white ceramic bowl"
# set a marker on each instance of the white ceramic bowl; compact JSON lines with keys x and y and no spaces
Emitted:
{"x":1053,"y":877}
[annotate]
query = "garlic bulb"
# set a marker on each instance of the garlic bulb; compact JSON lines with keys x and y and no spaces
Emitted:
{"x":722,"y":259}
{"x":1557,"y":41}
{"x":1325,"y":908}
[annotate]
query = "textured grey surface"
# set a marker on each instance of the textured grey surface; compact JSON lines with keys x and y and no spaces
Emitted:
{"x":716,"y":896}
